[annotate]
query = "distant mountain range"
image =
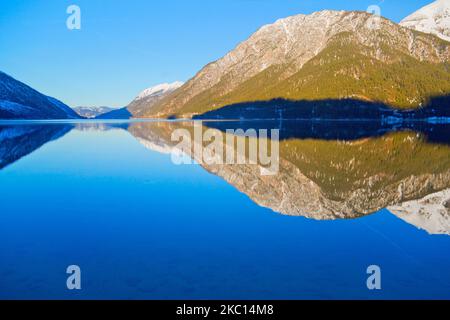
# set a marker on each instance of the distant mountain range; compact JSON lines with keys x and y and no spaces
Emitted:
{"x":19,"y":101}
{"x":92,"y":112}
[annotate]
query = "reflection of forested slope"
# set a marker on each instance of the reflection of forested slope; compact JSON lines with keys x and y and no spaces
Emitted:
{"x":19,"y":141}
{"x":331,"y":179}
{"x":371,"y":164}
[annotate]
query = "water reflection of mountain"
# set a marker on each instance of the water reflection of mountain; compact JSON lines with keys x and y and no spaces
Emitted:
{"x":332,"y":179}
{"x":17,"y":141}
{"x":326,"y":170}
{"x":100,"y":126}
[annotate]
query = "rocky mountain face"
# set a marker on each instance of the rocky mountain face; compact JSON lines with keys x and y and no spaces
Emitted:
{"x":325,"y":55}
{"x":433,"y":18}
{"x":92,"y":112}
{"x":149,"y":97}
{"x":19,"y":101}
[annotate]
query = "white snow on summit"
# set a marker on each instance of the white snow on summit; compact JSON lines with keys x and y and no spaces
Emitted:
{"x":433,"y":18}
{"x":160,"y":89}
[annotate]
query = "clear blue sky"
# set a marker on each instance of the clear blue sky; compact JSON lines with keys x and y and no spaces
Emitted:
{"x":126,"y":46}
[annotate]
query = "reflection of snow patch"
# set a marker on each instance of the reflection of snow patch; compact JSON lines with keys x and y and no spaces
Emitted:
{"x":160,"y":148}
{"x":431,"y":213}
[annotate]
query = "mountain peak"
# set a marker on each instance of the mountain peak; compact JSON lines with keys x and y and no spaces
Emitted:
{"x":150,"y":96}
{"x":433,"y":18}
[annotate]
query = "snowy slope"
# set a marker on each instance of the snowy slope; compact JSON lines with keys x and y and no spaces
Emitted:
{"x":19,"y":101}
{"x":160,"y":89}
{"x":149,"y":97}
{"x":433,"y":18}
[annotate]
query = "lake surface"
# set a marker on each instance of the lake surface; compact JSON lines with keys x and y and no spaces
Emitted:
{"x":106,"y":196}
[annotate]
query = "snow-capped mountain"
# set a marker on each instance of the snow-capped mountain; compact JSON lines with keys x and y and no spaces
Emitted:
{"x":149,"y":97}
{"x":159,"y":89}
{"x":19,"y":101}
{"x":433,"y":18}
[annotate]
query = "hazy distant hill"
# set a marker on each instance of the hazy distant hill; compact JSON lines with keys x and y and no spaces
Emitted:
{"x":92,"y":112}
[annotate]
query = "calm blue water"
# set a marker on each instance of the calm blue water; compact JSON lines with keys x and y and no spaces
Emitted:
{"x":142,"y":228}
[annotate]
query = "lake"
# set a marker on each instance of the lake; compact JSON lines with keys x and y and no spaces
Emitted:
{"x":108,"y":197}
